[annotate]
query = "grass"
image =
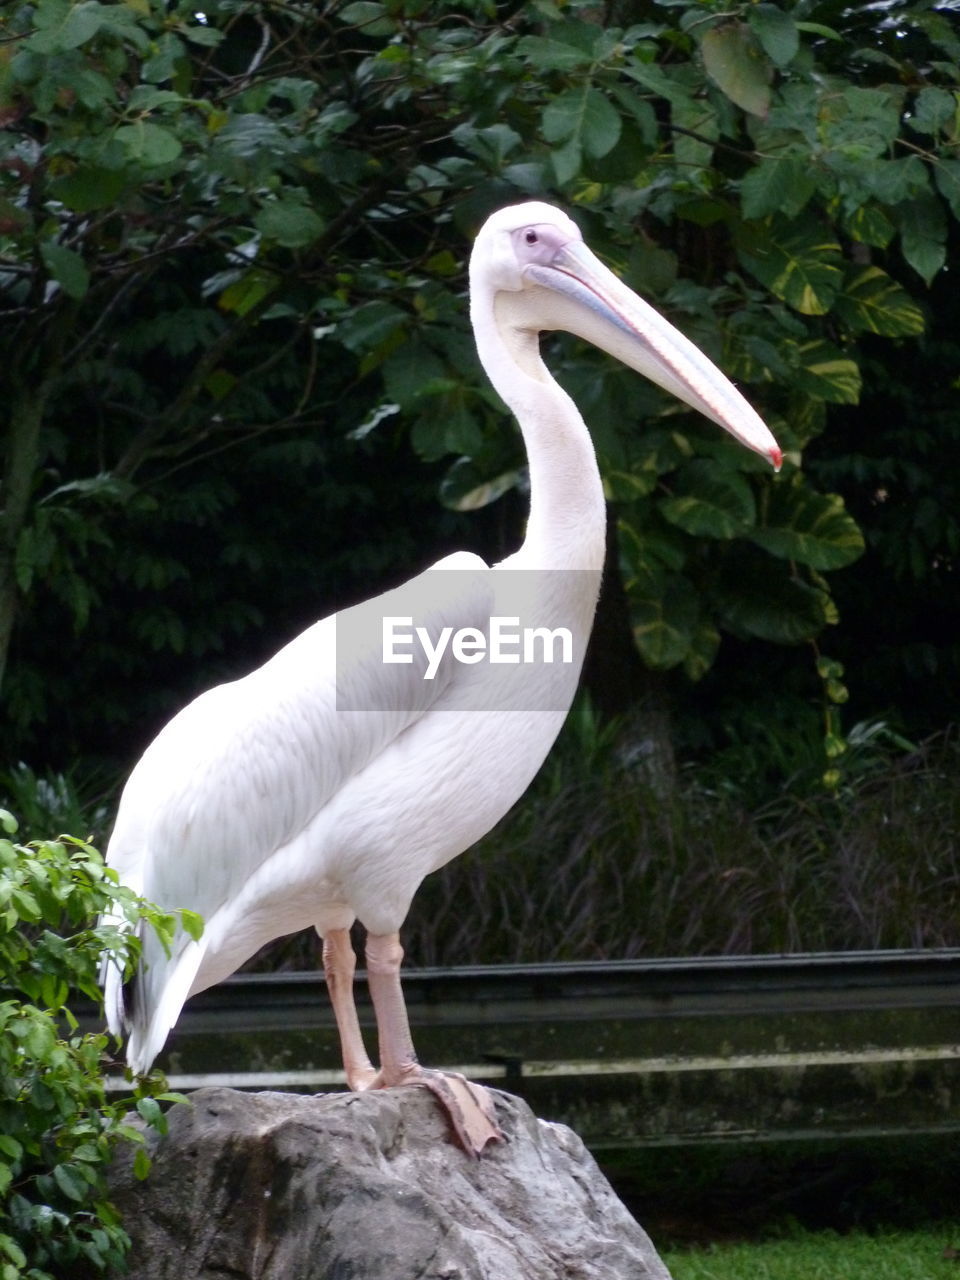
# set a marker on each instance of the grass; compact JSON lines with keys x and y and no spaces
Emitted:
{"x":844,"y":1209}
{"x":596,"y":864}
{"x":915,"y":1255}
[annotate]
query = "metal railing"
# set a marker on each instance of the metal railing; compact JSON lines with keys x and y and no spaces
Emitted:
{"x":635,"y":1052}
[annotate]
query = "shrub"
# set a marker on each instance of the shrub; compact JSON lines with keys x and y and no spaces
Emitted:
{"x":598,"y":864}
{"x":58,"y":1128}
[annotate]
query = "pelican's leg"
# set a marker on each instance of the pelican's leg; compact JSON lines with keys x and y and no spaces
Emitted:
{"x":469,"y":1106}
{"x":339,"y":964}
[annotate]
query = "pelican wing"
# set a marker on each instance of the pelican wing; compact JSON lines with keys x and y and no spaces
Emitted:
{"x":241,"y":771}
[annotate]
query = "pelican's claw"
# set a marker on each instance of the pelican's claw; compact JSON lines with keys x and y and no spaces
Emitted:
{"x":468,"y":1106}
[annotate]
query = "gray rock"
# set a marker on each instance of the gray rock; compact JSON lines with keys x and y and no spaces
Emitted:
{"x":274,"y":1186}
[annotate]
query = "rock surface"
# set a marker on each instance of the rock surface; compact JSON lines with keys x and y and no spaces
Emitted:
{"x":274,"y":1186}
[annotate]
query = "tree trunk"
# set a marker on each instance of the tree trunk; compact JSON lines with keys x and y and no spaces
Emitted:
{"x":621,"y":685}
{"x":25,"y":415}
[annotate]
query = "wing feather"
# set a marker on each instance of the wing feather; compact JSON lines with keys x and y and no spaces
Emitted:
{"x":243,"y":769}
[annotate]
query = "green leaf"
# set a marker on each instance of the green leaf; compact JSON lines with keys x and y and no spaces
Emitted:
{"x":657,"y":80}
{"x":552,"y":55}
{"x":90,"y":88}
{"x":776,"y":31}
{"x":244,"y":294}
{"x":148,"y":98}
{"x":709,"y":502}
{"x":771,"y":607}
{"x":874,"y":303}
{"x":697,"y":116}
{"x":626,"y":486}
{"x":777,"y":186}
{"x":825,"y":372}
{"x":651,"y":270}
{"x":14,"y":1253}
{"x":933,"y":110}
{"x":165,"y":55}
{"x":66,"y":267}
{"x":859,"y":124}
{"x":25,"y":903}
{"x":69,"y":1181}
{"x":492,"y":144}
{"x":463,"y":490}
{"x":870,"y":225}
{"x":121,"y":21}
{"x":812,"y":528}
{"x":369,"y":326}
{"x":192,"y":923}
{"x":61,"y":27}
{"x":412,"y":372}
{"x":289,"y":223}
{"x":201,"y":35}
{"x":89,"y":188}
{"x":463,"y":431}
{"x":798,"y":262}
{"x":141,"y":1164}
{"x":947,"y":175}
{"x":923,"y":235}
{"x":601,"y":124}
{"x":567,"y":160}
{"x":10,"y":1147}
{"x":664,"y":448}
{"x":736,"y":64}
{"x":583,"y":114}
{"x":818,"y":29}
{"x":371,"y":17}
{"x":439,"y":431}
{"x":53,"y":991}
{"x":150,"y":1110}
{"x":829,"y":668}
{"x":664,"y":620}
{"x":704,"y":645}
{"x":148,"y":144}
{"x":893,"y":182}
{"x":443,"y":264}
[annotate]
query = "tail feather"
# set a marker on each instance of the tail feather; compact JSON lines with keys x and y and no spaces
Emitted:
{"x":111,"y":978}
{"x":157,"y":1004}
{"x":145,"y":1007}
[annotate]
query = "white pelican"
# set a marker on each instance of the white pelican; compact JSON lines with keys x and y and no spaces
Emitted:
{"x":322,"y":788}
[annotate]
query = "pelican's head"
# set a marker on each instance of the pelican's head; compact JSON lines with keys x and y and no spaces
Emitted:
{"x":517,"y":237}
{"x":532,"y":272}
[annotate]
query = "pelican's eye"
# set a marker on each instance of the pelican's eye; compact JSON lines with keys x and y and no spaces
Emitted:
{"x":531,"y":237}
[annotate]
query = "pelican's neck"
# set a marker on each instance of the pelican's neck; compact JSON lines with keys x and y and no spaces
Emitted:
{"x":567,"y":524}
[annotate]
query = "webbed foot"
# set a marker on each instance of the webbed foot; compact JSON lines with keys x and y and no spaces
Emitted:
{"x":469,"y":1108}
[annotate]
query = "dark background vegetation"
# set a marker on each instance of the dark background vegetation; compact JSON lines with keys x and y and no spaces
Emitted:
{"x":239,"y":389}
{"x":711,"y":1195}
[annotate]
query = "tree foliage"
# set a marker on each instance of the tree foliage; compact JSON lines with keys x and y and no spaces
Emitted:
{"x":232,"y":251}
{"x":58,"y":1128}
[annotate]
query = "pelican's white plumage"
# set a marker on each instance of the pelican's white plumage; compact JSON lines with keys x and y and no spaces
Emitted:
{"x":314,"y":792}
